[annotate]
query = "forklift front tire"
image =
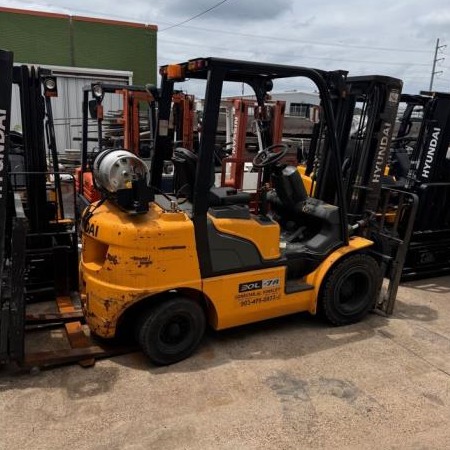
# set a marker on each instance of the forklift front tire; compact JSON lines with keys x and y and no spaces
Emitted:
{"x":171,"y":331}
{"x":350,"y":289}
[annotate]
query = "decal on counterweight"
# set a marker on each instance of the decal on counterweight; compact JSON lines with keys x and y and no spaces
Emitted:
{"x":90,"y":228}
{"x":259,"y":291}
{"x":260,"y":284}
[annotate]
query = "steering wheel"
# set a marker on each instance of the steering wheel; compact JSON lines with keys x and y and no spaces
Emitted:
{"x":269,"y":155}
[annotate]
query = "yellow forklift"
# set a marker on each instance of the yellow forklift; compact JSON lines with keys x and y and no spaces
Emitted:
{"x":167,"y":268}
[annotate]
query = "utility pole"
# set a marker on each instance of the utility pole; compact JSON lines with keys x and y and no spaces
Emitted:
{"x":435,"y":60}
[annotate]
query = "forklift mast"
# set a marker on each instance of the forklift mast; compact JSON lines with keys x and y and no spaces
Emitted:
{"x":183,"y":118}
{"x":413,"y":104}
{"x":39,"y":251}
{"x":365,"y":114}
{"x":6,"y":69}
{"x":366,"y":148}
{"x":430,"y":160}
{"x":13,"y":226}
{"x":429,"y":178}
{"x":33,"y":117}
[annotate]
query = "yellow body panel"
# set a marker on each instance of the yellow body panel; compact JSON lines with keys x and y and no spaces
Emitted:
{"x":266,"y":237}
{"x":126,"y":260}
{"x":260,"y":294}
{"x":316,"y":278}
{"x":251,"y":304}
{"x":307,"y":181}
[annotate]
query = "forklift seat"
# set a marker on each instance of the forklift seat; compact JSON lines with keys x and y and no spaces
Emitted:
{"x":185,"y":166}
{"x":289,"y":187}
{"x":292,"y":201}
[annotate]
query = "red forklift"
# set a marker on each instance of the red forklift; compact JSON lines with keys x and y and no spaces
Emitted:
{"x":125,"y":129}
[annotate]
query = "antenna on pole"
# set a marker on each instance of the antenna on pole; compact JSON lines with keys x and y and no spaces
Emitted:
{"x":435,"y":60}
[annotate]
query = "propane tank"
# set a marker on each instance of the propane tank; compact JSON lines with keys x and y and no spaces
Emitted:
{"x":116,"y":169}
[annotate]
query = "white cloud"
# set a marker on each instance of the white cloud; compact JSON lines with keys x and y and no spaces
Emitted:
{"x":375,"y":36}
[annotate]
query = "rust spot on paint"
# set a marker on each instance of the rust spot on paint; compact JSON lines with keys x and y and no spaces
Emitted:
{"x":112,"y":259}
{"x":142,"y":260}
{"x":173,"y":247}
{"x":107,"y":325}
{"x":107,"y":304}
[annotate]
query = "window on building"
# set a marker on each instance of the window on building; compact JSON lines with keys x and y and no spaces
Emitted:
{"x":299,"y":109}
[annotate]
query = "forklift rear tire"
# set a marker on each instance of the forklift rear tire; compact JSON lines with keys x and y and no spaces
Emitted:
{"x":170,"y":331}
{"x":350,"y":289}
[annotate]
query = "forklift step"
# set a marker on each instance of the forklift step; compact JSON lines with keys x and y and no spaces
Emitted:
{"x":294,"y":286}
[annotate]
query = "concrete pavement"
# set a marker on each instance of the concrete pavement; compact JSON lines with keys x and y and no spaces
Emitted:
{"x":285,"y":384}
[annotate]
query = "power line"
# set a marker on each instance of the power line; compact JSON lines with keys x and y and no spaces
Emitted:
{"x":301,"y":41}
{"x":194,"y":17}
{"x":394,"y":63}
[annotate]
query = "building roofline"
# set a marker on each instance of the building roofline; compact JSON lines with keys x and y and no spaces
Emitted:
{"x":114,"y":22}
{"x":77,"y":18}
{"x":33,"y":13}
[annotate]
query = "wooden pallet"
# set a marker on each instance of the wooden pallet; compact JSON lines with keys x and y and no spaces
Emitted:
{"x":83,"y":350}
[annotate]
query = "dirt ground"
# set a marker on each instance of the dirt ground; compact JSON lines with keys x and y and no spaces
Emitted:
{"x":285,"y":384}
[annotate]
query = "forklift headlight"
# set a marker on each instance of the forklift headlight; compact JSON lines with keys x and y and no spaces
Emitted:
{"x":50,"y":84}
{"x":50,"y":87}
{"x":97,"y":91}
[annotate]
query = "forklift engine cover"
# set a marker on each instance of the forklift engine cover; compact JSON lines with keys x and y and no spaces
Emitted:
{"x":117,"y":169}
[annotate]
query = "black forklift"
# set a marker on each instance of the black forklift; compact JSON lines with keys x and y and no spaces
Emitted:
{"x":381,"y":212}
{"x":38,"y":228}
{"x":420,"y":163}
{"x":38,"y":235}
{"x":428,"y":177}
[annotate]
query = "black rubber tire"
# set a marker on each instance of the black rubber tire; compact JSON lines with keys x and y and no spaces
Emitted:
{"x":350,"y":289}
{"x":171,"y":331}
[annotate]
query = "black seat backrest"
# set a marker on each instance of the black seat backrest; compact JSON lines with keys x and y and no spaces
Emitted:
{"x":185,"y":165}
{"x":289,"y":187}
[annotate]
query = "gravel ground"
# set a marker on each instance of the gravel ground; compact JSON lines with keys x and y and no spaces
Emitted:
{"x":285,"y":384}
